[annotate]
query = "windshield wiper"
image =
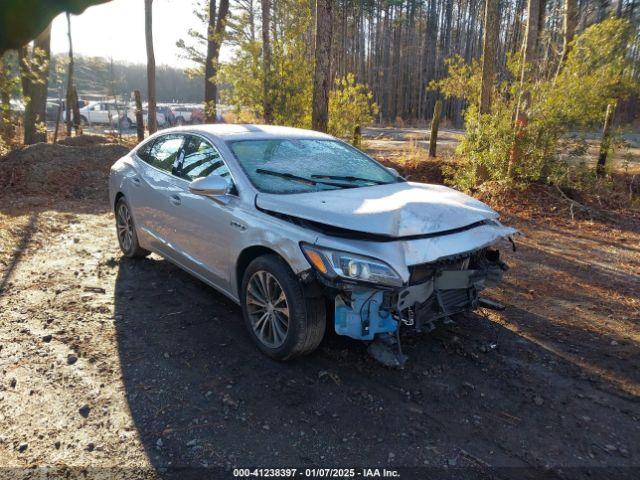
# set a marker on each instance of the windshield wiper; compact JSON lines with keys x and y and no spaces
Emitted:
{"x":350,"y":178}
{"x":296,"y":178}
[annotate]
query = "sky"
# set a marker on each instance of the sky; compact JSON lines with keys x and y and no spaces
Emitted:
{"x":116,"y":30}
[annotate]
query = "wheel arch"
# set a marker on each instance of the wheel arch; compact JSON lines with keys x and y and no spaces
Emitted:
{"x":308,"y":315}
{"x":118,"y":196}
{"x":247,"y":256}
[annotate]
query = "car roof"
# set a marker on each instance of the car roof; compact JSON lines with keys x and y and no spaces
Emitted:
{"x":226,"y":131}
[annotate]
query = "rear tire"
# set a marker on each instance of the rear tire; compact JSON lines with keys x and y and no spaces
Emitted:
{"x":273,"y":300}
{"x":126,"y":232}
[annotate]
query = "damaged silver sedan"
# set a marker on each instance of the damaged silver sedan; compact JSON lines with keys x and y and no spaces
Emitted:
{"x":306,"y":233}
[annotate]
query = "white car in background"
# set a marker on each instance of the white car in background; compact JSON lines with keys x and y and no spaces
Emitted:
{"x":130,"y":119}
{"x":100,"y":112}
{"x":110,"y":113}
{"x":183,"y":113}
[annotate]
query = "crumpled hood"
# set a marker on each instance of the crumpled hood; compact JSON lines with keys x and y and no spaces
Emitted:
{"x":394,"y":210}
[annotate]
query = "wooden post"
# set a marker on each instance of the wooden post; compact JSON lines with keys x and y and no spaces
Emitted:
{"x":76,"y":110}
{"x":357,"y":136}
{"x":69,"y":78}
{"x":120,"y":117}
{"x":435,"y":124}
{"x":605,"y":144}
{"x":139,"y":118}
{"x":55,"y":132}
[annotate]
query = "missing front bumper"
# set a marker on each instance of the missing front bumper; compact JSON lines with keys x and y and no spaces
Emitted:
{"x":362,"y":313}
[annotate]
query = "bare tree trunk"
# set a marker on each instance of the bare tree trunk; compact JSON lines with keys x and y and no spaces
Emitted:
{"x":530,"y":44}
{"x":215,"y":34}
{"x":76,"y":110}
{"x":435,"y":125}
{"x":489,"y":53}
{"x":605,"y":144}
{"x":570,"y":19}
{"x":34,"y":76}
{"x":139,"y":116}
{"x":5,"y":101}
{"x":266,"y":62}
{"x":252,"y":21}
{"x":322,"y":76}
{"x":69,"y":78}
{"x":210,"y":90}
{"x":151,"y":67}
{"x":529,"y":49}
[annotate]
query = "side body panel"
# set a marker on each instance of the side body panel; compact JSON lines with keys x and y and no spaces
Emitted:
{"x":202,"y":232}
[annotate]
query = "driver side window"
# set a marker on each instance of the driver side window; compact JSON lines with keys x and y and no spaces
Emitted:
{"x":163,"y":152}
{"x":200,"y":159}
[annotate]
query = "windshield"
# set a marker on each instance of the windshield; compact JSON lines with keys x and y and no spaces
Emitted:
{"x":298,"y":166}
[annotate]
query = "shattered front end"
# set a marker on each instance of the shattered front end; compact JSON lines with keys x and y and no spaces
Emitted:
{"x":435,"y":291}
{"x":440,"y":290}
{"x":366,"y":310}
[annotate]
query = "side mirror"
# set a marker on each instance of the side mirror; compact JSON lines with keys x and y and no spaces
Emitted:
{"x":212,"y":186}
{"x":394,"y":171}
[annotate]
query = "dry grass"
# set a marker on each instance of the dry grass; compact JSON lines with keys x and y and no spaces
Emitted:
{"x":412,"y":161}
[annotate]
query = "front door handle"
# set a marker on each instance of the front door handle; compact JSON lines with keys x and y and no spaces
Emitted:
{"x":175,"y":200}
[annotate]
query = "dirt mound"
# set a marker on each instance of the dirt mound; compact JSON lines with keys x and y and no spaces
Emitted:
{"x":85,"y":140}
{"x":425,"y":170}
{"x":59,"y":171}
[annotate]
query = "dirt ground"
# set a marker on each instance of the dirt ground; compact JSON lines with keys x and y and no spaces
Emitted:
{"x":131,"y":369}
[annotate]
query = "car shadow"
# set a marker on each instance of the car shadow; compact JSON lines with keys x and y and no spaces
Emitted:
{"x":25,"y":235}
{"x":473,"y":395}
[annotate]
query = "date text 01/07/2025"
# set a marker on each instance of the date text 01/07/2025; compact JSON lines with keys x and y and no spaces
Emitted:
{"x":315,"y":473}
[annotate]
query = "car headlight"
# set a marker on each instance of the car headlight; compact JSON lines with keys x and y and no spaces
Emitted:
{"x":334,"y":263}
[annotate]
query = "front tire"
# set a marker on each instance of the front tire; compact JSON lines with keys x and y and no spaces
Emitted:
{"x":282,"y":321}
{"x":126,"y":231}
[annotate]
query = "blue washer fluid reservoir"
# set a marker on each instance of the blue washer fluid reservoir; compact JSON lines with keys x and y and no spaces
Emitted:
{"x":363,"y":319}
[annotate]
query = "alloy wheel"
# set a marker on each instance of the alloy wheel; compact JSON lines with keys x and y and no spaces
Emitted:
{"x":267,"y":308}
{"x":124,"y":225}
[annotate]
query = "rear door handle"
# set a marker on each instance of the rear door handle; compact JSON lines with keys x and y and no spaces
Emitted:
{"x":136,"y":181}
{"x":175,"y":200}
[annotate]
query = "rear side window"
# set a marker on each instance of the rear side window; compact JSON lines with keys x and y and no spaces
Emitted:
{"x":200,"y":159}
{"x":162,"y":153}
